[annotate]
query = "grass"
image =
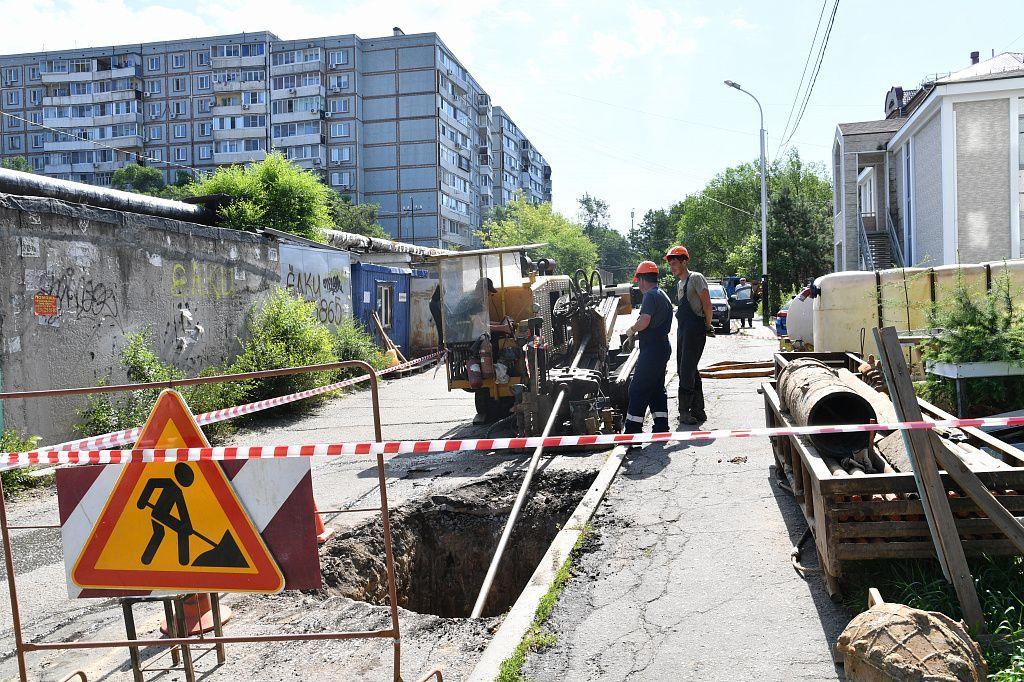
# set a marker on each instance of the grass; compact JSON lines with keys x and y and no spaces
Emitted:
{"x":538,"y":638}
{"x":920,"y":584}
{"x":18,"y":480}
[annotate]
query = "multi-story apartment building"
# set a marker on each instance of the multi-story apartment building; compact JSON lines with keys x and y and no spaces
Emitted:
{"x":397,"y":121}
{"x":939,"y":180}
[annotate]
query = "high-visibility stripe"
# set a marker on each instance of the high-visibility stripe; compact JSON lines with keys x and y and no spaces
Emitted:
{"x":634,"y":418}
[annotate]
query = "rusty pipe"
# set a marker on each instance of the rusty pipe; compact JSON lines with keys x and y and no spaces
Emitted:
{"x":12,"y":588}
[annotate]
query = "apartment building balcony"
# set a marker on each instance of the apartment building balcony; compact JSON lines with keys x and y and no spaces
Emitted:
{"x":239,"y":86}
{"x":120,"y":72}
{"x":56,"y":168}
{"x":70,"y":144}
{"x":301,"y":91}
{"x":231,"y":158}
{"x":79,"y":77}
{"x":97,"y":167}
{"x":238,"y":62}
{"x":117,"y":96}
{"x":239,"y":133}
{"x":298,"y":67}
{"x":312,"y":163}
{"x":312,"y":115}
{"x":68,"y":100}
{"x":239,"y":110}
{"x":70,"y":122}
{"x":296,"y":140}
{"x":118,"y":118}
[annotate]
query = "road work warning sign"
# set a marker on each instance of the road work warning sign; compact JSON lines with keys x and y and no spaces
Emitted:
{"x":175,"y":526}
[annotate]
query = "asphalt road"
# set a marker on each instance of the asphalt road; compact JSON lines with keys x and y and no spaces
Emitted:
{"x":689,"y":576}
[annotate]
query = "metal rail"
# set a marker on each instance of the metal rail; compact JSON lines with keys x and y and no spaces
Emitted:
{"x":506,"y":533}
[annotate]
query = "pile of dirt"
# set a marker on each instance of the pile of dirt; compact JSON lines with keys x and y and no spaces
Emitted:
{"x":444,"y":544}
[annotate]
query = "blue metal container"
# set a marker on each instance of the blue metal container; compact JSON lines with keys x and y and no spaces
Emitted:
{"x":384,"y":290}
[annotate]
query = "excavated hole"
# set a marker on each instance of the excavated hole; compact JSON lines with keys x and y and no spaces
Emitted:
{"x":444,"y":544}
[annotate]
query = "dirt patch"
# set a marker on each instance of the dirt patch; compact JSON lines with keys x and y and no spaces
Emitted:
{"x":444,"y":544}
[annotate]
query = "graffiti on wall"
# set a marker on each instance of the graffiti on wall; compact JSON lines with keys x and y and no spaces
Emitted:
{"x":77,"y":295}
{"x":196,"y":280}
{"x":321,"y":276}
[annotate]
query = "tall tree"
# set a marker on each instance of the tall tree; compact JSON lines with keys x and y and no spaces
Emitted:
{"x":140,"y":179}
{"x":356,"y":218}
{"x":614,"y":251}
{"x":656,"y":233}
{"x":521,"y":222}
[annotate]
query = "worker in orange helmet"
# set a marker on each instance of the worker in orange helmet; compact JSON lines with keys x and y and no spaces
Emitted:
{"x":694,"y":325}
{"x":647,"y":387}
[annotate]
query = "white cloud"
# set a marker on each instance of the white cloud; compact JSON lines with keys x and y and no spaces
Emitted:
{"x":739,"y":22}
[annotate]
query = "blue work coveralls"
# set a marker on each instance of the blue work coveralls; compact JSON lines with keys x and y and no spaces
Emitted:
{"x":647,"y":388}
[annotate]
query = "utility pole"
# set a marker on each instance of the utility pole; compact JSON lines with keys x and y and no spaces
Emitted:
{"x":766,"y":313}
{"x":631,"y":214}
{"x":411,"y":210}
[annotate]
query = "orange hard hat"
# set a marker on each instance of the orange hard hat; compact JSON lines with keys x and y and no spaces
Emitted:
{"x":678,"y":251}
{"x":648,"y":267}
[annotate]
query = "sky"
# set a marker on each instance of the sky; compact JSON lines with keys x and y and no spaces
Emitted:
{"x":624,"y":98}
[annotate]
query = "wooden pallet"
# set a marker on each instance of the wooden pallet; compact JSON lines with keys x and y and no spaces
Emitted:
{"x":879,"y":516}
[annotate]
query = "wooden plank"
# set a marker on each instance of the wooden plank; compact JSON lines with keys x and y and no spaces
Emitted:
{"x":971,"y":485}
{"x":908,"y":529}
{"x":807,"y":452}
{"x":1016,"y":457}
{"x":925,"y":549}
{"x":920,"y":446}
{"x":889,"y":508}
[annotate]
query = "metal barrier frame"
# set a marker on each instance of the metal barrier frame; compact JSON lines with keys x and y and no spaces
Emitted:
{"x":21,"y":647}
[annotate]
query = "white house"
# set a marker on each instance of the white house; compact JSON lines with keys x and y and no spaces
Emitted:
{"x":939,"y":180}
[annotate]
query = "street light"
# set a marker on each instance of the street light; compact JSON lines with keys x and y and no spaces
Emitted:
{"x":764,"y":206}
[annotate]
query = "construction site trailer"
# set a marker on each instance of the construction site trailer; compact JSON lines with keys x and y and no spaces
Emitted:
{"x":383,"y":290}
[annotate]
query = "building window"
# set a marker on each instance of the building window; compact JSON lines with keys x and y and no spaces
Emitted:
{"x":35,"y":117}
{"x":180,"y":131}
{"x":156,"y":110}
{"x":205,"y":129}
{"x":12,"y":98}
{"x":341,"y":129}
{"x":154,"y":133}
{"x":154,"y":87}
{"x":254,"y":97}
{"x":12,"y":76}
{"x":340,"y":105}
{"x":154,"y":63}
{"x":37,"y":141}
{"x":226,"y":50}
{"x":178,"y":84}
{"x":341,"y":179}
{"x":341,"y":154}
{"x":156,"y":154}
{"x":33,"y":73}
{"x":38,"y":162}
{"x":340,"y":82}
{"x":14,"y":143}
{"x":179,"y":108}
{"x":202,"y":58}
{"x":205,"y":153}
{"x":178,"y":61}
{"x":203,"y":82}
{"x":204,"y":105}
{"x":181,"y":153}
{"x":339,"y":58}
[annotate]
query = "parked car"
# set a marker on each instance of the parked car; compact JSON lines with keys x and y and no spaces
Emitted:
{"x":780,"y":319}
{"x":721,"y":315}
{"x":742,"y":303}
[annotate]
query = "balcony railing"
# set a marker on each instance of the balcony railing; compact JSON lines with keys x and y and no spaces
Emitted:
{"x":894,"y":243}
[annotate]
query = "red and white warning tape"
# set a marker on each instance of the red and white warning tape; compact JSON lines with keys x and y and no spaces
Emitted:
{"x":109,"y":440}
{"x":471,"y":444}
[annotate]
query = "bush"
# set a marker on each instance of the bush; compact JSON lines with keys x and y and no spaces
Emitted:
{"x":106,"y":412}
{"x":285,"y":332}
{"x":977,"y":327}
{"x":17,"y":480}
{"x":352,"y":342}
{"x":272,"y":193}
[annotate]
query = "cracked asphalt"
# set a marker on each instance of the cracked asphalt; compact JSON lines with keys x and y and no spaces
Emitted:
{"x":688,"y":575}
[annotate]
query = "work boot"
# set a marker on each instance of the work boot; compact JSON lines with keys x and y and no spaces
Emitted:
{"x":688,"y":419}
{"x":661,"y":425}
{"x":701,"y":417}
{"x":633,"y":427}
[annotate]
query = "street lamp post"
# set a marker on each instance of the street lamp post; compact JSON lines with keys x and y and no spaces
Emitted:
{"x":764,"y":207}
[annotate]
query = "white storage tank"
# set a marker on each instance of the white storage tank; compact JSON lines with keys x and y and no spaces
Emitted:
{"x":800,"y":321}
{"x":845,"y":304}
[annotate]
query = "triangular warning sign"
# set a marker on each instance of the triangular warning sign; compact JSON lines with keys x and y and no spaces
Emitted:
{"x":175,"y":525}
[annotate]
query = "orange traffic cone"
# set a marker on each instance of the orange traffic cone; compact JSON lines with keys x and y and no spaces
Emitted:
{"x":199,"y":615}
{"x":322,"y":532}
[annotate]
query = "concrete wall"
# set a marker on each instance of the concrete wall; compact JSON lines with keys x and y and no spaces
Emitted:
{"x":982,"y":176}
{"x":113,"y":274}
{"x":927,"y":159}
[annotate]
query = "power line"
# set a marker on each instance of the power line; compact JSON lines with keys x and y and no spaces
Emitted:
{"x":815,"y":72}
{"x":803,"y":74}
{"x":80,"y":138}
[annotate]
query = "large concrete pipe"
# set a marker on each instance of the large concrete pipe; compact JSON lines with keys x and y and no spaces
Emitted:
{"x":815,"y":395}
{"x":28,"y":184}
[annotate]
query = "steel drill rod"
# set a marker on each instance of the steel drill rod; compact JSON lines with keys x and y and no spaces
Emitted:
{"x":506,"y":533}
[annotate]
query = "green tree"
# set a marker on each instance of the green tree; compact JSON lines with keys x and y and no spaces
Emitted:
{"x":614,"y":252}
{"x":521,"y":222}
{"x":272,"y":193}
{"x":721,"y":226}
{"x":140,"y":179}
{"x":18,"y":163}
{"x":656,"y":233}
{"x":356,"y":218}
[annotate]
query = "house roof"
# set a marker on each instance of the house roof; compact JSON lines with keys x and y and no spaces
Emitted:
{"x":1005,"y":65}
{"x":885,"y":125}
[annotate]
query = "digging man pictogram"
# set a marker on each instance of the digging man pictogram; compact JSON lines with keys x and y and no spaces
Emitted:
{"x":170,"y":511}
